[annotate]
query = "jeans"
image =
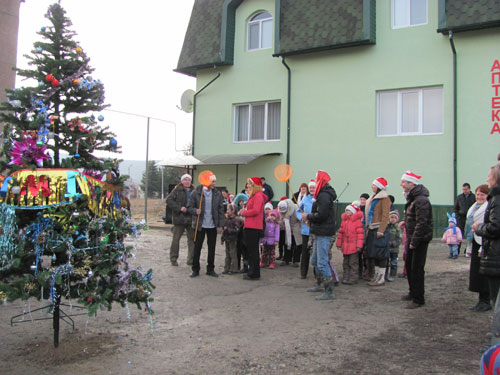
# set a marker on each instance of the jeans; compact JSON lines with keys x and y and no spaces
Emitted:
{"x":211,"y":242}
{"x":453,"y":250}
{"x":320,"y":256}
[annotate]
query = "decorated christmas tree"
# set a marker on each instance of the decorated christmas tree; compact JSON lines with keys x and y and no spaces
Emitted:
{"x":62,"y":220}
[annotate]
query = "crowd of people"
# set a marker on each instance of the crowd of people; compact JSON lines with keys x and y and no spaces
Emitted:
{"x":370,"y":234}
{"x":257,"y":234}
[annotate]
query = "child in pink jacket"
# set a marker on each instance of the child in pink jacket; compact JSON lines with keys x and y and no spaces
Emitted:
{"x":452,"y":236}
{"x":270,"y":240}
{"x":350,"y":241}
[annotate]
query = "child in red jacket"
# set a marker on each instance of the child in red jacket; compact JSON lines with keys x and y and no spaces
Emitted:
{"x":350,"y":241}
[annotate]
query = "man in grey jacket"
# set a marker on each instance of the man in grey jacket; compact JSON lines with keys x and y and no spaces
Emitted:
{"x":177,"y":201}
{"x":206,"y":206}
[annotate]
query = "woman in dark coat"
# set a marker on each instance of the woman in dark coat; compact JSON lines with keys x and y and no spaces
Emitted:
{"x":478,"y":283}
{"x":490,"y":258}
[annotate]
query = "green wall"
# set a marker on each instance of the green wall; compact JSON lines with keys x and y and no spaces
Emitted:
{"x":333,"y":108}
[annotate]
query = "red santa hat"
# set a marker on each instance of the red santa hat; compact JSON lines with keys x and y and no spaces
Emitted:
{"x":268,"y":205}
{"x":353,"y":208}
{"x":186,"y":176}
{"x":283,"y":198}
{"x":256,"y":180}
{"x":381,"y":183}
{"x":311,"y":183}
{"x":411,"y":177}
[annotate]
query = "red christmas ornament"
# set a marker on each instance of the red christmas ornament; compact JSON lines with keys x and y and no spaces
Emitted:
{"x":49,"y":77}
{"x":55,"y":82}
{"x":89,"y":299}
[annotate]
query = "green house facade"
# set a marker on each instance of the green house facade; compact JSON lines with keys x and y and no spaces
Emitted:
{"x":358,"y":88}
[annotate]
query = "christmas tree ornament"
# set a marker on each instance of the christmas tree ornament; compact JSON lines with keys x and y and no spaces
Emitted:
{"x":49,"y":77}
{"x":112,"y":144}
{"x":55,"y":82}
{"x":78,"y":50}
{"x":43,"y":28}
{"x":40,"y":83}
{"x":39,"y":49}
{"x":27,"y":152}
{"x":101,"y":118}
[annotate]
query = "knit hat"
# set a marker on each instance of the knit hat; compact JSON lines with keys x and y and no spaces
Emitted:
{"x":283,"y":198}
{"x":490,"y":361}
{"x":381,"y":183}
{"x":282,"y":206}
{"x":411,"y":177}
{"x":268,"y":205}
{"x":256,"y":180}
{"x":274,"y":213}
{"x":186,"y":176}
{"x":364,"y":195}
{"x":312,"y":183}
{"x":353,"y":208}
{"x":394,"y":213}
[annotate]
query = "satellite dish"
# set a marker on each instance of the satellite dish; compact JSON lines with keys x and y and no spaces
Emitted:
{"x":187,"y":100}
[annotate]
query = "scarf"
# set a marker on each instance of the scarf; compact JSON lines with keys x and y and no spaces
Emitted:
{"x":288,"y":232}
{"x":322,"y":179}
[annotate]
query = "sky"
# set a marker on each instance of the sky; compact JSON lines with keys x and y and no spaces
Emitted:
{"x":133,"y":47}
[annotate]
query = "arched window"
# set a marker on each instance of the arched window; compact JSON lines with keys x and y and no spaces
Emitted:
{"x":260,"y":31}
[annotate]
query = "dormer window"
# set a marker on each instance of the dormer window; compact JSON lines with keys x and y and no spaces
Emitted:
{"x":260,"y":31}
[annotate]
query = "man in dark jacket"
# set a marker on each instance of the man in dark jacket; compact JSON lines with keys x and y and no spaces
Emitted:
{"x":177,"y":201}
{"x":322,"y":225}
{"x":419,"y":231}
{"x":208,"y":218}
{"x":462,"y":204}
{"x":267,"y":189}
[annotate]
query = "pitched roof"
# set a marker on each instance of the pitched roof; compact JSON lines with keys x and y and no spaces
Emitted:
{"x":466,"y":15}
{"x":324,"y":24}
{"x":202,"y":43}
{"x":302,"y":27}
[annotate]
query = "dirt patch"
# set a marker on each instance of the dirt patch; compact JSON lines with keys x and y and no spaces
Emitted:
{"x":272,"y":326}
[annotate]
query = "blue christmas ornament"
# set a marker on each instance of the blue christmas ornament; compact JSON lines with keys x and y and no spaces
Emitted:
{"x":113,"y":143}
{"x":77,"y":156}
{"x":101,"y":118}
{"x":39,"y":49}
{"x":43,"y":28}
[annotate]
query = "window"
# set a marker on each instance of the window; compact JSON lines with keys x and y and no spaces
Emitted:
{"x":410,"y":112}
{"x":407,"y":13}
{"x":260,"y":31}
{"x":257,"y":122}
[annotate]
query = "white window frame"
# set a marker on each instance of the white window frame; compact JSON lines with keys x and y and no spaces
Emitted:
{"x":408,"y":15}
{"x":400,"y":93}
{"x":259,"y":22}
{"x":266,"y":106}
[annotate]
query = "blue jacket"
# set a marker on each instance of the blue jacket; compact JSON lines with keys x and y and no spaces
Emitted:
{"x":306,"y":205}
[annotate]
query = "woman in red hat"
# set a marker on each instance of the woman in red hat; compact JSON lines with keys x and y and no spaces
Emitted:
{"x":253,"y":226}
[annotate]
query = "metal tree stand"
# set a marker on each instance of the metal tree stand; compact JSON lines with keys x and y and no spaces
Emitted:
{"x":57,"y":315}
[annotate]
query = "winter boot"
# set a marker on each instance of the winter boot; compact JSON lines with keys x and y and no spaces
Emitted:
{"x":379,"y":277}
{"x":272,"y":265}
{"x":392,"y":274}
{"x":328,"y":294}
{"x":318,"y":287}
